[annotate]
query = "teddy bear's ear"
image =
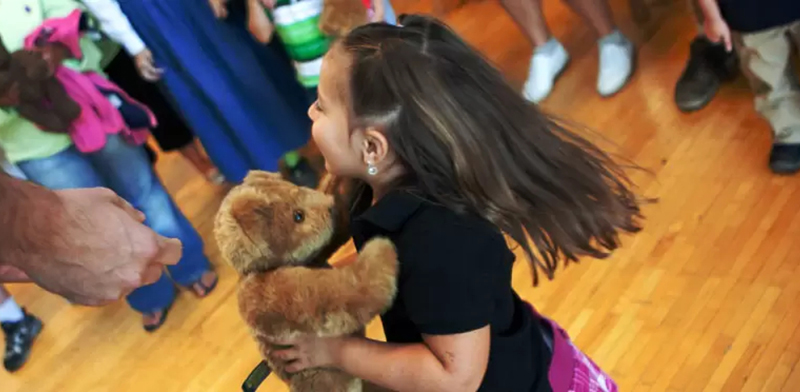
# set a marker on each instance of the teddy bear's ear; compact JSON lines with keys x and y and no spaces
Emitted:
{"x":259,"y":176}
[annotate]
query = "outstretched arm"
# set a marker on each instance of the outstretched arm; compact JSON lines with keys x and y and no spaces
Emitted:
{"x":87,"y":245}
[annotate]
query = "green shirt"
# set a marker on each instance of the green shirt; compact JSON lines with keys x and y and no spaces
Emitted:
{"x":21,"y":139}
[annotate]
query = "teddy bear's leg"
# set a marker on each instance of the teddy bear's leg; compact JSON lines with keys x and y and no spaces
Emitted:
{"x":313,"y":380}
{"x":42,"y":117}
{"x":63,"y":105}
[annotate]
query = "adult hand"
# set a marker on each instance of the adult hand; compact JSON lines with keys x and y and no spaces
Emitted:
{"x":9,"y":274}
{"x":146,"y":66}
{"x":93,"y":248}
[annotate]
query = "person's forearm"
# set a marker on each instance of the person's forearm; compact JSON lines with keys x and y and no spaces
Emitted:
{"x":23,"y":208}
{"x":710,"y":9}
{"x":408,"y":367}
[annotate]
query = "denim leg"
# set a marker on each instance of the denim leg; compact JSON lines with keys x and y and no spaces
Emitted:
{"x":126,"y":168}
{"x":71,"y":169}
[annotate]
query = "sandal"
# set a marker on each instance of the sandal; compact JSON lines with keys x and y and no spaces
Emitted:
{"x":160,"y":322}
{"x":202,"y":290}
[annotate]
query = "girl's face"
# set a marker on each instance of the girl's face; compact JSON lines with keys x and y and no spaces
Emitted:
{"x":331,"y":132}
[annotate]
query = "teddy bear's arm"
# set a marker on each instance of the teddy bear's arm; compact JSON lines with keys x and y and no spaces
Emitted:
{"x":324,"y":301}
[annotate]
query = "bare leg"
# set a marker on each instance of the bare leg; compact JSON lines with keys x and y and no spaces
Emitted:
{"x":597,"y":13}
{"x":528,"y":15}
{"x":194,"y":154}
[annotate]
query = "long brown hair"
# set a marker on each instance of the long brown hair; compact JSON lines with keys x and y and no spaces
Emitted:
{"x":471,"y":142}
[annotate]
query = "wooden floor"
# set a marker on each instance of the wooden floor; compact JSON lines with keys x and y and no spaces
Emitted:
{"x":706,"y":298}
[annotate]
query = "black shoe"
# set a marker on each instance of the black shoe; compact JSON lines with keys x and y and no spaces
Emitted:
{"x":19,"y":339}
{"x":302,"y":174}
{"x":785,"y":158}
{"x":708,"y":66}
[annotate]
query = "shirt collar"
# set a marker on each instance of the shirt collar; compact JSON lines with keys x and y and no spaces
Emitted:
{"x":393,"y":210}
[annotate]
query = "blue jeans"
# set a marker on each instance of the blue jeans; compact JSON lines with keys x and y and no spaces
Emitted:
{"x":125,"y":169}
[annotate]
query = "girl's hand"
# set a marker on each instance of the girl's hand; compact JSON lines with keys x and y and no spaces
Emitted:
{"x":718,"y":31}
{"x":145,"y":66}
{"x":306,"y":352}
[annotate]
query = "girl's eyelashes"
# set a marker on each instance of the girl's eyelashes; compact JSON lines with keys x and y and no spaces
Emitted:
{"x":317,"y":106}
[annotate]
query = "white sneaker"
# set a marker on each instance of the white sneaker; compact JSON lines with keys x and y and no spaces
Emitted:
{"x":546,"y":66}
{"x":616,"y":64}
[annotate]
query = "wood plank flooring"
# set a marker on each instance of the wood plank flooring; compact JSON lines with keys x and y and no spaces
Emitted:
{"x":704,"y":299}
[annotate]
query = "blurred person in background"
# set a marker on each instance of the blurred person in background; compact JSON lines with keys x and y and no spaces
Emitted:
{"x":550,"y":58}
{"x":20,"y":328}
{"x":709,"y":65}
{"x":766,"y":33}
{"x":134,"y":70}
{"x":52,"y":160}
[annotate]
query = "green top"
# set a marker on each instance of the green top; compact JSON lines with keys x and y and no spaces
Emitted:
{"x":21,"y":139}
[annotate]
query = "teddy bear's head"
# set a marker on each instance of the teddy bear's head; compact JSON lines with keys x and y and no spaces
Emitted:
{"x":268,"y":222}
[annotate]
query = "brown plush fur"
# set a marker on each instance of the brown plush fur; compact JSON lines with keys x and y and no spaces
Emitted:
{"x":279,"y":236}
{"x":42,"y":99}
{"x":340,"y":16}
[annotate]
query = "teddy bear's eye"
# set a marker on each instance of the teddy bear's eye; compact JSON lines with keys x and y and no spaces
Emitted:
{"x":299,"y":216}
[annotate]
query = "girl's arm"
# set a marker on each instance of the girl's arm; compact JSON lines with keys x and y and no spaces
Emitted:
{"x":714,"y":24}
{"x":116,"y":25}
{"x":443,"y":363}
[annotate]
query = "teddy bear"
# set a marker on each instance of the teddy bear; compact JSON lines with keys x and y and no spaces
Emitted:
{"x":42,"y":99}
{"x":278,"y":237}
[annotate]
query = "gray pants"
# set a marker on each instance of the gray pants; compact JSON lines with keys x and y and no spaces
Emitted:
{"x":765,"y":58}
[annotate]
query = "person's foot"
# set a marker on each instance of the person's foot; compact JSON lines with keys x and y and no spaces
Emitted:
{"x":547,"y":64}
{"x":785,"y":158}
{"x":206,"y":284}
{"x":154,"y":320}
{"x":20,"y":336}
{"x":302,"y":174}
{"x":709,"y":64}
{"x":617,"y":57}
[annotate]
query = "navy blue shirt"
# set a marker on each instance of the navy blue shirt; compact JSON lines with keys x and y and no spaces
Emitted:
{"x":748,"y":16}
{"x":455,"y":277}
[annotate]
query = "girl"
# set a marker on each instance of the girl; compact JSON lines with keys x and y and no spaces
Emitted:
{"x":51,"y":159}
{"x":450,"y":157}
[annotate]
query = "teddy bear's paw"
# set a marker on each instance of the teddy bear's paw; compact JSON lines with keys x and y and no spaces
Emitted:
{"x":377,"y":266}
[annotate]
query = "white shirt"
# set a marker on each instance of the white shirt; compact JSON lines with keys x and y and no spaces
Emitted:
{"x":115,"y":24}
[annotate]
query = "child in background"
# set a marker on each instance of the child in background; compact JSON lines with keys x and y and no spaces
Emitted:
{"x":764,"y":32}
{"x":297,"y":24}
{"x":52,"y":160}
{"x":449,"y":157}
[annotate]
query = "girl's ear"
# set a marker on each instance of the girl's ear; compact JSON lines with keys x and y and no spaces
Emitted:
{"x":375,"y":147}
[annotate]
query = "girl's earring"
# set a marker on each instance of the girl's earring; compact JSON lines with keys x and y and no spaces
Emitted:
{"x":372,"y":169}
